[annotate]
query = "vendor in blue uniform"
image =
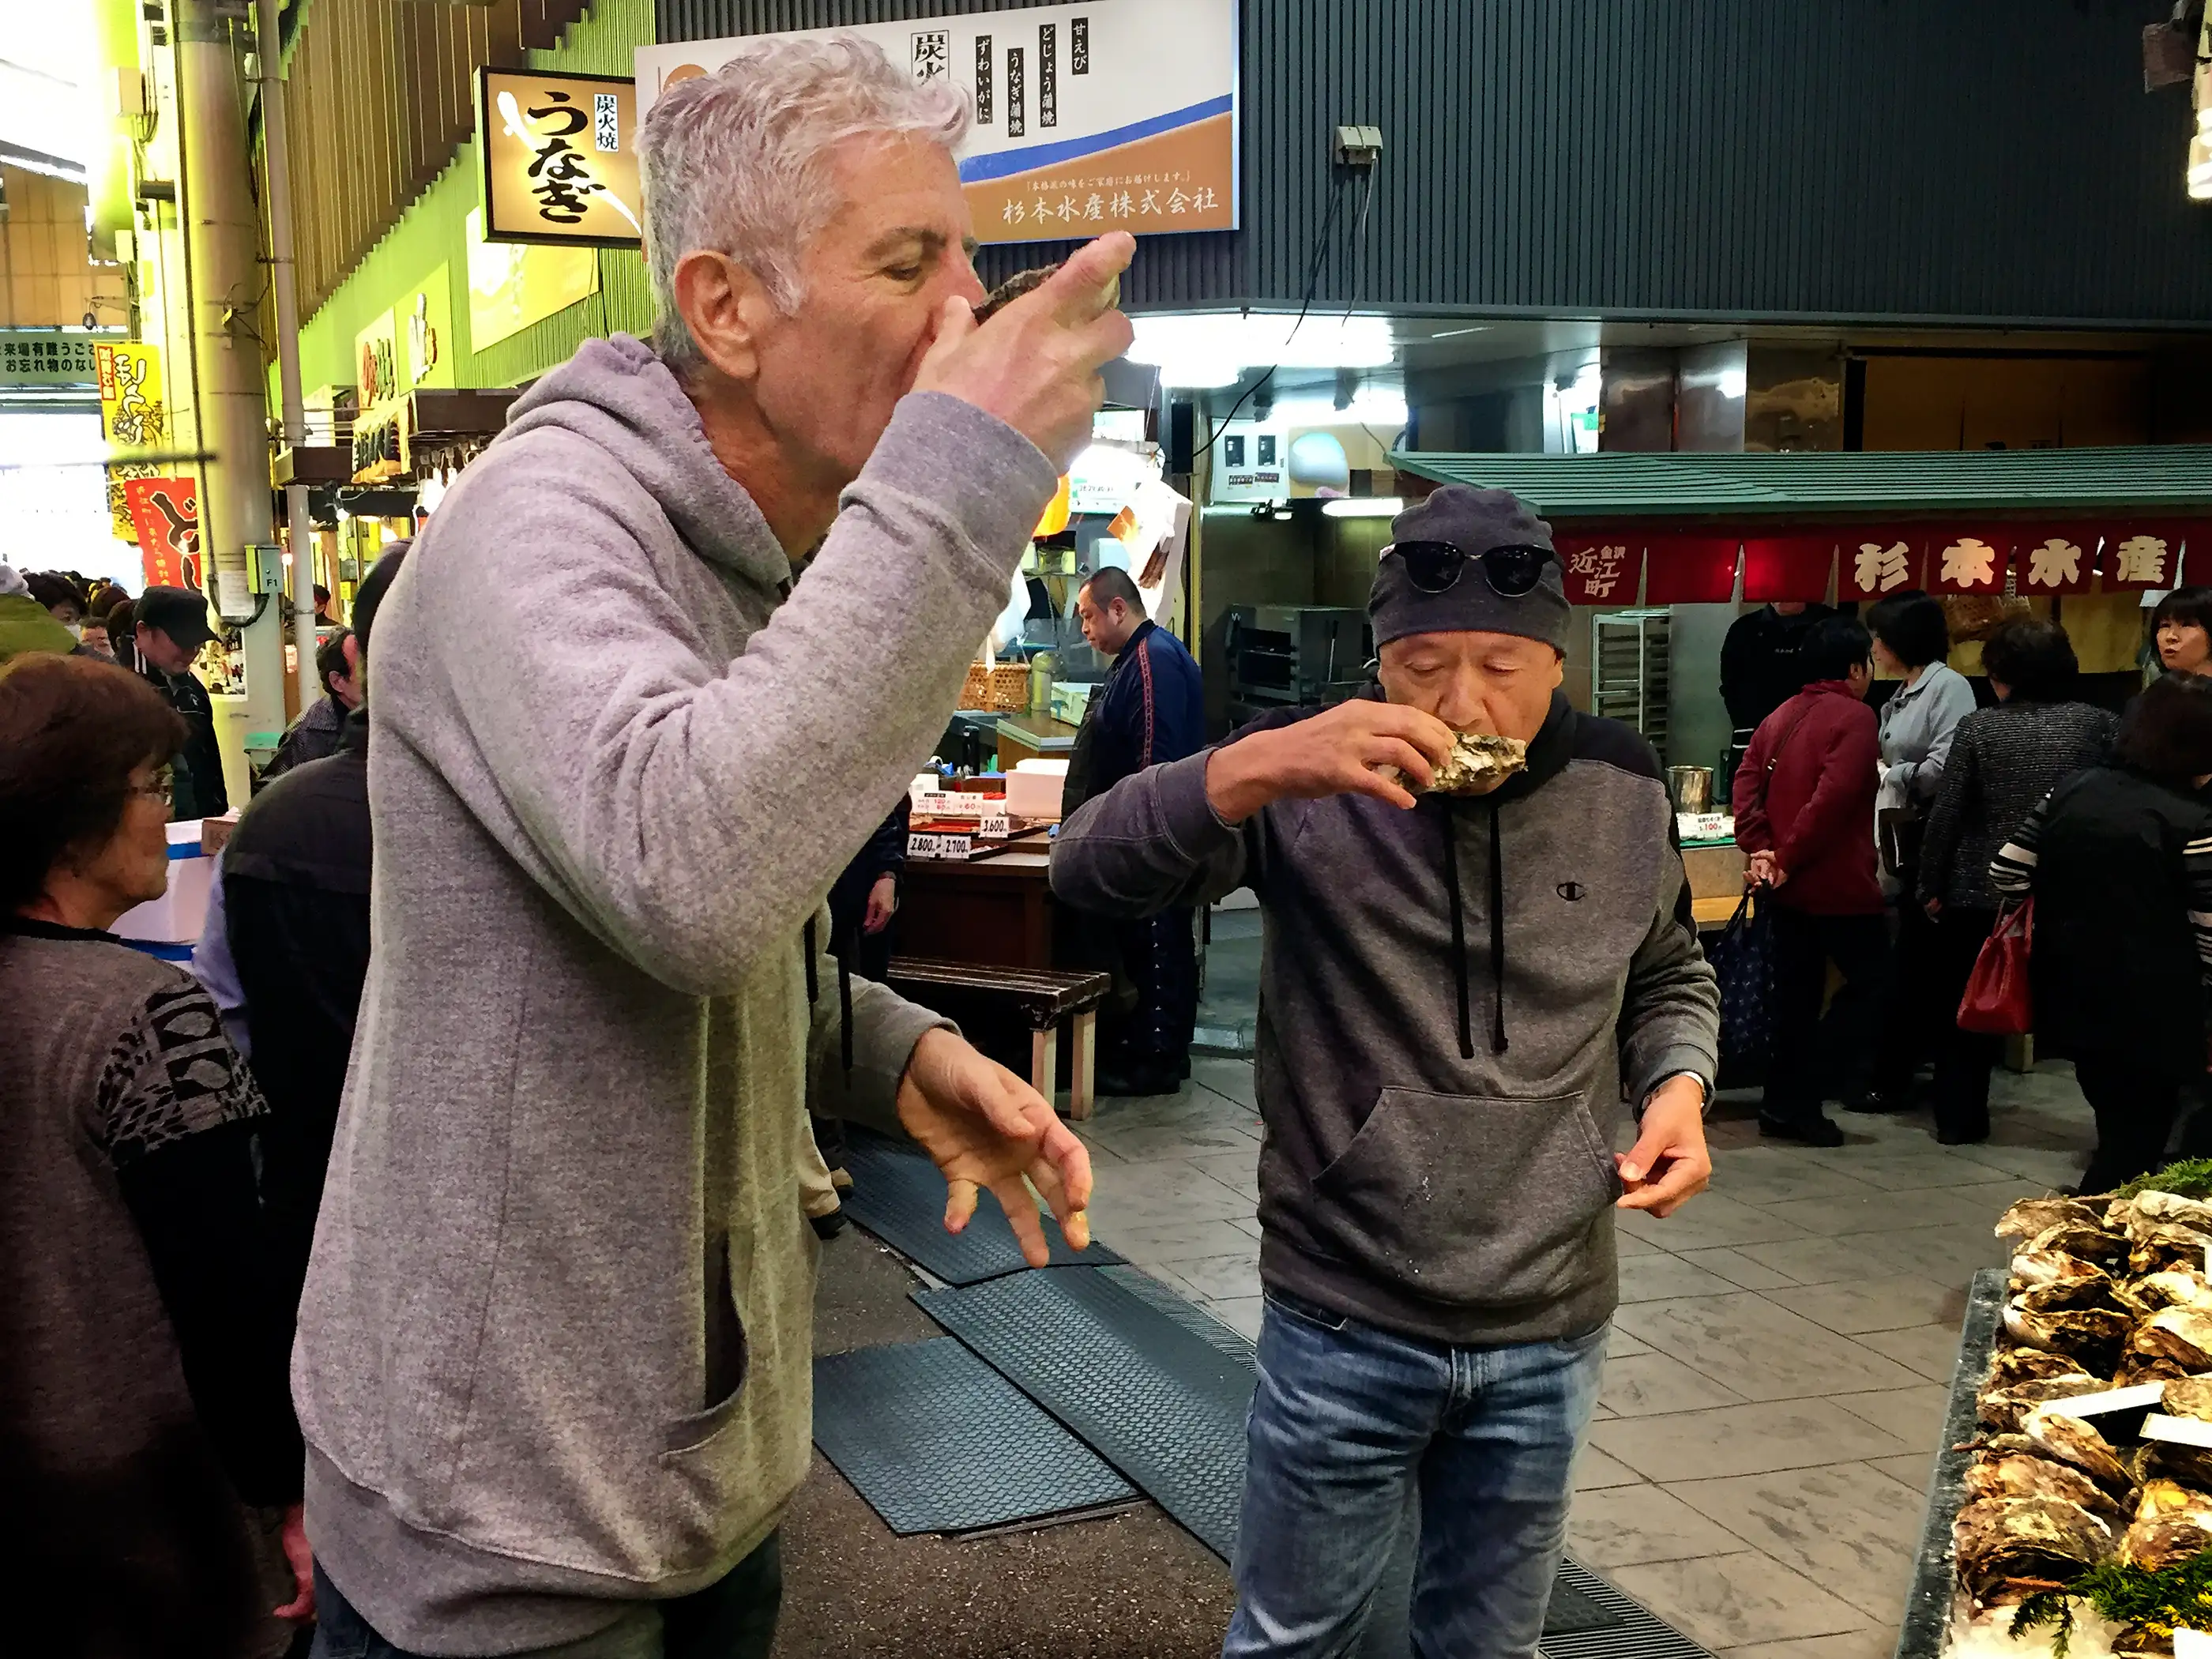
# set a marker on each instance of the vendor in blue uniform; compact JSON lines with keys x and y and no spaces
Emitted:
{"x":1152,"y":709}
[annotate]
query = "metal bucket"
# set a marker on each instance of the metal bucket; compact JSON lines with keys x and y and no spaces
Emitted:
{"x":1691,"y":788}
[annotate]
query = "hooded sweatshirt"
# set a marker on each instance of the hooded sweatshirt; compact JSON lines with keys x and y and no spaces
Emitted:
{"x":555,"y":1348}
{"x":1454,"y":1001}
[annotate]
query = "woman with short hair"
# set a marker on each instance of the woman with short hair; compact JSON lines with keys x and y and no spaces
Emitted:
{"x":2181,"y":628}
{"x":2119,"y":860}
{"x":143,"y":1329}
{"x":1912,"y":639}
{"x":2003,"y":762}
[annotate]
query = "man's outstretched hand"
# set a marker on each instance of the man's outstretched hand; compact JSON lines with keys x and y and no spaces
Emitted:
{"x":1669,"y":1164}
{"x":984,"y":1127}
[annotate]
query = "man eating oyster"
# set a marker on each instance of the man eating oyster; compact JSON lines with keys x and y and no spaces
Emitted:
{"x":1478,"y":949}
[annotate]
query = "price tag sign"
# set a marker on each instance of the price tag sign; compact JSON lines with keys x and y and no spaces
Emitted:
{"x":924,"y":845}
{"x":995,"y":822}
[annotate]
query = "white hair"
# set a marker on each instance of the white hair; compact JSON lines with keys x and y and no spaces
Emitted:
{"x":739,"y":160}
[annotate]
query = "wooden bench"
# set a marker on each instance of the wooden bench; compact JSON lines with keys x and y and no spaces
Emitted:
{"x":1043,"y":998}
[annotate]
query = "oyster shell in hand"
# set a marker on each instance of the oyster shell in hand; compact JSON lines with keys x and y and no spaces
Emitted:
{"x":2024,"y":1475}
{"x":2071,"y":1441}
{"x":2008,"y":1546}
{"x":1479,"y":763}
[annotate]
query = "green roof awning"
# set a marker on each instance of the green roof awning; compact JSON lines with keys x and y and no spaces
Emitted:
{"x":1778,"y":488}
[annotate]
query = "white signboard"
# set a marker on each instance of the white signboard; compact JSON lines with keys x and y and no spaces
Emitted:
{"x":1116,"y":115}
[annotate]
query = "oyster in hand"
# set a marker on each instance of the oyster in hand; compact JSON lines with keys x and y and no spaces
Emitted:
{"x":2008,"y":1546}
{"x":1479,"y":763}
{"x":2021,"y":1475}
{"x":2071,"y":1441}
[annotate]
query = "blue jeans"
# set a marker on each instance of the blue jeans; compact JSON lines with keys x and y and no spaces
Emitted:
{"x":1348,"y":1424}
{"x":734,"y":1617}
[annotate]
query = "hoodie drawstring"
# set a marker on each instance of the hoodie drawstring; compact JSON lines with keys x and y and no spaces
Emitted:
{"x":844,"y":996}
{"x":1459,"y":924}
{"x":1497,"y":1040}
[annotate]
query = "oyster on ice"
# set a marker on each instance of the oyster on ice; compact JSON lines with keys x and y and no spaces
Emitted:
{"x":2030,"y":1216}
{"x":2174,"y":1342}
{"x":2087,"y":1240}
{"x":2024,"y":1475}
{"x":2149,"y":1208}
{"x":2002,"y":1408}
{"x":2009,"y":1548}
{"x":2016,"y":1365}
{"x":2071,"y":1441}
{"x":2189,"y":1396}
{"x":2160,"y":1541}
{"x":2093,"y":1336}
{"x":2171,"y":1287}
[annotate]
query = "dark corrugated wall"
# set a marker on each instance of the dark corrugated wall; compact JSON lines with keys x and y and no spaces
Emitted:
{"x":1825,"y":159}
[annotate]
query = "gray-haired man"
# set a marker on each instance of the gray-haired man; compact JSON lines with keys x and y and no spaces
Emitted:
{"x":553,"y":1361}
{"x":1456,"y":995}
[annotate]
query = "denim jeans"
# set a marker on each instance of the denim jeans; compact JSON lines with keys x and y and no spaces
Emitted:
{"x":1349,"y":1423}
{"x":734,"y":1617}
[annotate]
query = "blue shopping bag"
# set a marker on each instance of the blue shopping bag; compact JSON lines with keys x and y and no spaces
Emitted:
{"x":1742,"y":959}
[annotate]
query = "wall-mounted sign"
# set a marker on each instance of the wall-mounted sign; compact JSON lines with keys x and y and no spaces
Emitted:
{"x":380,"y":447}
{"x":426,"y":328}
{"x":559,"y":162}
{"x":511,"y":286}
{"x":166,"y":512}
{"x":1087,"y":117}
{"x":132,"y":410}
{"x":41,"y":357}
{"x":376,"y":361}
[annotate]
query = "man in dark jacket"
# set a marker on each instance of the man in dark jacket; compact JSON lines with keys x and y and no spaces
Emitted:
{"x":1804,"y":813}
{"x":1458,"y":994}
{"x":1762,"y":659}
{"x":172,"y":625}
{"x":294,"y":911}
{"x":316,"y":732}
{"x":1152,"y":709}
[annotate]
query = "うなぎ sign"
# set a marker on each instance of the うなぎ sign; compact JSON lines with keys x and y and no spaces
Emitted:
{"x":560,"y":160}
{"x":1086,"y":119}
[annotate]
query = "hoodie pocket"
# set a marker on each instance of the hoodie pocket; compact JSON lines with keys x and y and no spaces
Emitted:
{"x":1461,"y":1199}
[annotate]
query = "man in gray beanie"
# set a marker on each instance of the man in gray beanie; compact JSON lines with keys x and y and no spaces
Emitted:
{"x":1459,"y":992}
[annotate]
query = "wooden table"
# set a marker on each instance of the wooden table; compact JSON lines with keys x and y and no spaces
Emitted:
{"x":1032,"y":737}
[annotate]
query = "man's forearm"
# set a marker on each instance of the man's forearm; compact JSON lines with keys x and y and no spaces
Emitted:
{"x":1153,"y":841}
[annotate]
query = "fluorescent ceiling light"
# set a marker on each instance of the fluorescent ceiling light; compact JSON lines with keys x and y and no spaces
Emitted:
{"x":1193,"y":372}
{"x":1256,"y":341}
{"x":1375,"y":406}
{"x":1362,"y":507}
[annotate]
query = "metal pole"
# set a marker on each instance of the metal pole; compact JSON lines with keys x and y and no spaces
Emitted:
{"x":222,"y":237}
{"x":274,"y":116}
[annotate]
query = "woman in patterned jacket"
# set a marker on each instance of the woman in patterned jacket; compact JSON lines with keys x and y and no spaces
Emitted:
{"x":145,"y":1416}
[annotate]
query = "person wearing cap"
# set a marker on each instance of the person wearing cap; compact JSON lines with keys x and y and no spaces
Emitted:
{"x":318,"y":731}
{"x":1460,"y":995}
{"x":171,"y":625}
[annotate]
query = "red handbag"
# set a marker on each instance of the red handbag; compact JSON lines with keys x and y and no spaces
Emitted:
{"x":1997,"y":1002}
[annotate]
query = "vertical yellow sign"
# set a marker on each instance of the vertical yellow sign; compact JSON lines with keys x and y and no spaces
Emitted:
{"x":133,"y":414}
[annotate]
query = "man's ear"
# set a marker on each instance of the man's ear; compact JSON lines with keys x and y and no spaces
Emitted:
{"x":350,"y":646}
{"x":727,"y":309}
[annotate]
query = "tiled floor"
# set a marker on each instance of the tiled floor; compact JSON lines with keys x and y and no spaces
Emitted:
{"x":1776,"y":1380}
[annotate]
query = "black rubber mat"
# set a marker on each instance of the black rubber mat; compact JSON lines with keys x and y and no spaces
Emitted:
{"x":899,"y":1196}
{"x":1233,"y":1345}
{"x":1153,"y":1399}
{"x":937,"y":1441}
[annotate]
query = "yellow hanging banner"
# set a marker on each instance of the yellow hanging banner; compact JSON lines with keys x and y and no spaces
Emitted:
{"x":133,"y":414}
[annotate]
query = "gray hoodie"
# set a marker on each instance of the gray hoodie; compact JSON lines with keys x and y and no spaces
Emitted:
{"x":554,"y":1350}
{"x":1454,"y":1002}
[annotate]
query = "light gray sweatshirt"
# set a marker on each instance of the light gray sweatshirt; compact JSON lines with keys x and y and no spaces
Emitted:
{"x":555,"y":1349}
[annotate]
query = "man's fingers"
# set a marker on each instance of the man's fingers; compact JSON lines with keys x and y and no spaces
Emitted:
{"x":1396,"y":751}
{"x":1681,"y":1180}
{"x":1022,"y":1216}
{"x":1087,"y":284}
{"x":1365,"y":780}
{"x":1417,"y":726}
{"x":1052,"y":1186}
{"x":1638,"y":1160}
{"x":959,"y":1204}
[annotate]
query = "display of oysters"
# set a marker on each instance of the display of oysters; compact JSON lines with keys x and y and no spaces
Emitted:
{"x":1479,"y":763}
{"x":2105,"y":1294}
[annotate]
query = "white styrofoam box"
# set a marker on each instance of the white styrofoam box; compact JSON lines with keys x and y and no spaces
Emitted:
{"x":1034,"y":788}
{"x":178,"y":917}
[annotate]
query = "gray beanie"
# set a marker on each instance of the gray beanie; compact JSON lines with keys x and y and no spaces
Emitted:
{"x":1474,"y":520}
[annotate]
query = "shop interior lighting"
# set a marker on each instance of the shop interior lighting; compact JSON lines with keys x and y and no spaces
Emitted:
{"x":1208,"y":351}
{"x":1379,"y":407}
{"x":1362,"y":507}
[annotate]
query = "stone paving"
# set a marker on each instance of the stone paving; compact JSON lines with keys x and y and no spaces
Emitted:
{"x":1776,"y":1380}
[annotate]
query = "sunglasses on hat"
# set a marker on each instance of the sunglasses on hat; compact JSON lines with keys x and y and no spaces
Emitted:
{"x":1435,"y":567}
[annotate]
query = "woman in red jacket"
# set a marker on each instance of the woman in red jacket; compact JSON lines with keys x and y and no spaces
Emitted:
{"x":1804,"y":801}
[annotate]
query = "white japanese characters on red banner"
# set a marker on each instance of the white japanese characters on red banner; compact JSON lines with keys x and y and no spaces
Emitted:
{"x":2053,"y":558}
{"x":1971,"y":562}
{"x":1877,"y":563}
{"x":1601,"y":569}
{"x":2147,"y":555}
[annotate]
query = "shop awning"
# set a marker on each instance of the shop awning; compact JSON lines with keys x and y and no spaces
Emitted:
{"x":1797,"y":489}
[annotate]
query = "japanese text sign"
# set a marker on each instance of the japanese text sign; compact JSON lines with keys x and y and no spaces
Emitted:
{"x":1690,"y":569}
{"x":1969,"y":560}
{"x":2143,"y":554}
{"x":42,"y":357}
{"x":1787,"y":568}
{"x":166,"y":512}
{"x":2052,"y":558}
{"x":1086,"y":118}
{"x":1605,"y":570}
{"x":1875,"y":563}
{"x":130,"y":407}
{"x":560,"y":158}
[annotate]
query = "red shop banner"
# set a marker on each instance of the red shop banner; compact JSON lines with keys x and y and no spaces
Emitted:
{"x":1689,"y":569}
{"x":166,"y":513}
{"x":2145,"y":553}
{"x":1601,"y":569}
{"x":1968,"y":561}
{"x":1787,"y":568}
{"x":2053,"y":558}
{"x":1875,"y":563}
